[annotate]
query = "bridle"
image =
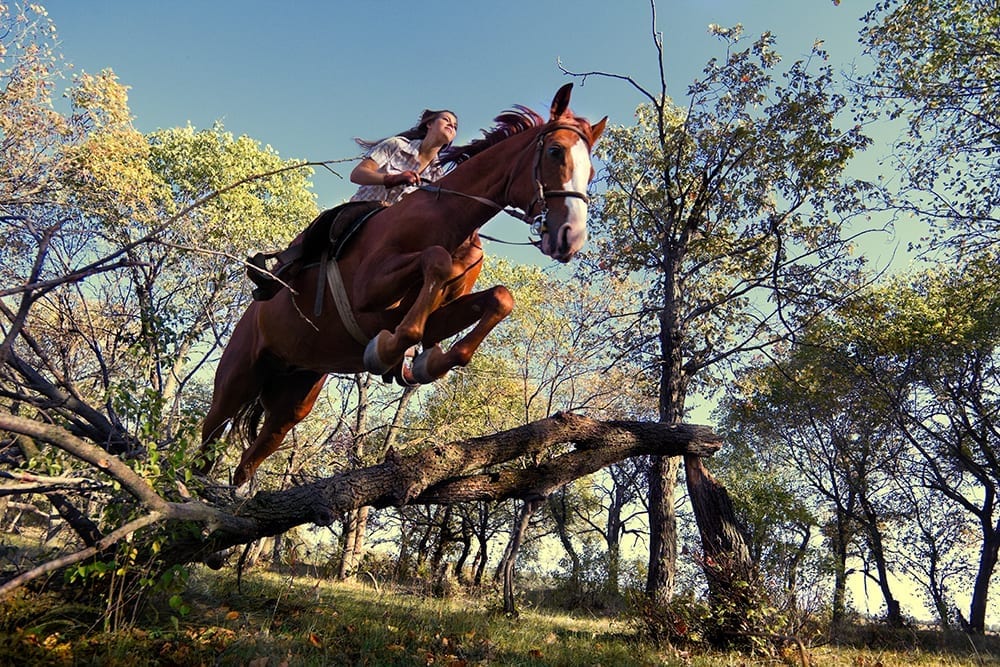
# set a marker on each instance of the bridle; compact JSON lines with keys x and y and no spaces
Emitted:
{"x":537,"y":223}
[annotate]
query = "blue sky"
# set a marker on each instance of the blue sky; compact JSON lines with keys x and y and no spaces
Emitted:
{"x":306,"y":76}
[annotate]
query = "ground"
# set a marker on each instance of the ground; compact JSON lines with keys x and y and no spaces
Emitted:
{"x":275,"y":619}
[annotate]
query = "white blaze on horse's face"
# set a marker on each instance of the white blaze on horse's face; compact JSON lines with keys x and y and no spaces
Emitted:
{"x":564,"y":239}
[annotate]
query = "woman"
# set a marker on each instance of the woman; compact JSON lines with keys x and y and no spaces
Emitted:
{"x":395,"y":165}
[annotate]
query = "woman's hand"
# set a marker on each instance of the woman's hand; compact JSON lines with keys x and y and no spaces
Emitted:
{"x":402,"y":178}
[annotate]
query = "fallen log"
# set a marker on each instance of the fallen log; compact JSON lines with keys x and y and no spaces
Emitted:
{"x":569,"y":446}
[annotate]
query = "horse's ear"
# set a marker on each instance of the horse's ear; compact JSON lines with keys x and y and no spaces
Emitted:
{"x":561,"y":101}
{"x":597,"y":130}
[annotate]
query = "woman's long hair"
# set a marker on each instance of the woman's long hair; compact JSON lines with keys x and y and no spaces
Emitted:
{"x":418,"y":131}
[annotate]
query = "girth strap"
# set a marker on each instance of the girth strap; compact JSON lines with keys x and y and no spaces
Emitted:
{"x":340,"y":299}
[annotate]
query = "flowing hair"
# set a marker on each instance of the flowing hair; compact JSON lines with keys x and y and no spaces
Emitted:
{"x":418,"y":131}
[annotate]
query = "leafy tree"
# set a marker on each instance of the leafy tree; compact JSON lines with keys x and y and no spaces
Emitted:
{"x":114,"y":288}
{"x":31,"y":130}
{"x":780,"y":519}
{"x":832,"y":445}
{"x":935,"y":354}
{"x":937,"y":67}
{"x":888,"y":415}
{"x":731,"y":208}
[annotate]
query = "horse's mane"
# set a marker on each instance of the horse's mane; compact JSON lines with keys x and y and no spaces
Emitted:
{"x":508,"y":123}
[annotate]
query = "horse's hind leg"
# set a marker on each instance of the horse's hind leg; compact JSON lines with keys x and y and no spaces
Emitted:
{"x":236,"y":385}
{"x":486,"y":309}
{"x":287,"y":399}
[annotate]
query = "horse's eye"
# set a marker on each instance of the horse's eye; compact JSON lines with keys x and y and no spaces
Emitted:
{"x":555,"y":152}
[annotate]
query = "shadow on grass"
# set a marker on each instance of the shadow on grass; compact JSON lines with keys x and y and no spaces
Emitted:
{"x":297,"y":620}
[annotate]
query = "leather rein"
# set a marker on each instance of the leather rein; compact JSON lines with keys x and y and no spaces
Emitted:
{"x":538,"y":222}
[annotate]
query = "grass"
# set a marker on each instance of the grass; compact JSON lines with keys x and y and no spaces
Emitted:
{"x":283,"y":620}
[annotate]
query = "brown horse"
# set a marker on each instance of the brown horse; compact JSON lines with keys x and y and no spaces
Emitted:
{"x":407,"y":278}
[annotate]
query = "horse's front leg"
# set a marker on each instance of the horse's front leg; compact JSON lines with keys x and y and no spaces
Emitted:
{"x":387,"y":348}
{"x":485,"y":309}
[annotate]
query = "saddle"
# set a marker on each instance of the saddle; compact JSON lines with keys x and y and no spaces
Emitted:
{"x":325,"y":238}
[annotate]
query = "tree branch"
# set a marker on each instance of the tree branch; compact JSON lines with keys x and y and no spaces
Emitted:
{"x":446,"y":473}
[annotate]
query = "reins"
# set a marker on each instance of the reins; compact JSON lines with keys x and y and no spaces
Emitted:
{"x":537,"y":222}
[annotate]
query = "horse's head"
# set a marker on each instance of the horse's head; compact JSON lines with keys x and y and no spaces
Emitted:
{"x":562,"y":171}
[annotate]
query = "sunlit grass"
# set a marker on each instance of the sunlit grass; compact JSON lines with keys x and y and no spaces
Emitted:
{"x":277,"y":619}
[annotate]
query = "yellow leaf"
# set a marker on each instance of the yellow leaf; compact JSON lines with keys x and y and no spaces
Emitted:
{"x":232,"y":616}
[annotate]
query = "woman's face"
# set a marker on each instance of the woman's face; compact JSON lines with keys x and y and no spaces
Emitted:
{"x":442,"y":130}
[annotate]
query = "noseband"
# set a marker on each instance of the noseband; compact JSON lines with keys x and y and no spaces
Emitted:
{"x":542,"y":195}
{"x":538,"y":223}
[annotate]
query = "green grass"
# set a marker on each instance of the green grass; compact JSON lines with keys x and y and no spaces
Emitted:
{"x":280,"y":620}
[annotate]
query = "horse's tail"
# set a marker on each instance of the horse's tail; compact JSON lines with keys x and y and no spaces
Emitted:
{"x":246,"y":420}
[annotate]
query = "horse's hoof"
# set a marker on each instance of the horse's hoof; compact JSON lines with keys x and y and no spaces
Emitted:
{"x":216,"y":560}
{"x":372,"y":360}
{"x":419,"y":371}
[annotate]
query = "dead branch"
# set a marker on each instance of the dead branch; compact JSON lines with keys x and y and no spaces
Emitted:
{"x":569,"y":446}
{"x":459,"y":472}
{"x":26,"y":483}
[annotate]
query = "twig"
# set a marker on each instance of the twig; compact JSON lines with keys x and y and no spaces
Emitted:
{"x":111,"y":538}
{"x":220,"y":253}
{"x":92,"y":454}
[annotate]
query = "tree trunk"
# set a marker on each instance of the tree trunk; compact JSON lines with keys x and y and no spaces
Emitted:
{"x":516,"y":540}
{"x":444,"y":473}
{"x":893,"y":614}
{"x":613,"y":536}
{"x":354,"y":543}
{"x":507,"y":551}
{"x":662,"y":529}
{"x":463,"y":557}
{"x":792,"y":576}
{"x":980,"y":589}
{"x":840,"y":546}
{"x":482,"y":558}
{"x":357,"y":521}
{"x":443,"y":540}
{"x":734,"y":589}
{"x":720,"y":531}
{"x":559,"y":511}
{"x":425,"y":538}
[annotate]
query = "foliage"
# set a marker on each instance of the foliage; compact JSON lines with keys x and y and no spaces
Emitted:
{"x":732,"y":211}
{"x":885,"y":415}
{"x":936,"y":68}
{"x":117,"y":284}
{"x":31,"y":131}
{"x":728,"y":199}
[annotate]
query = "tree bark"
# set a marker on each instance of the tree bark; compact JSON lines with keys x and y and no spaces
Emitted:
{"x":454,"y":472}
{"x":662,"y":529}
{"x":841,"y":540}
{"x":987,"y":565}
{"x":560,"y":516}
{"x":713,"y":509}
{"x":516,"y":540}
{"x":440,"y":474}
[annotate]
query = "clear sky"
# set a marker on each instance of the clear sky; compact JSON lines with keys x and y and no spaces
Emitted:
{"x":306,"y":76}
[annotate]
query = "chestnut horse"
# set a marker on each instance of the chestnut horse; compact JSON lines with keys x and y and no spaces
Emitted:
{"x":407,"y":278}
